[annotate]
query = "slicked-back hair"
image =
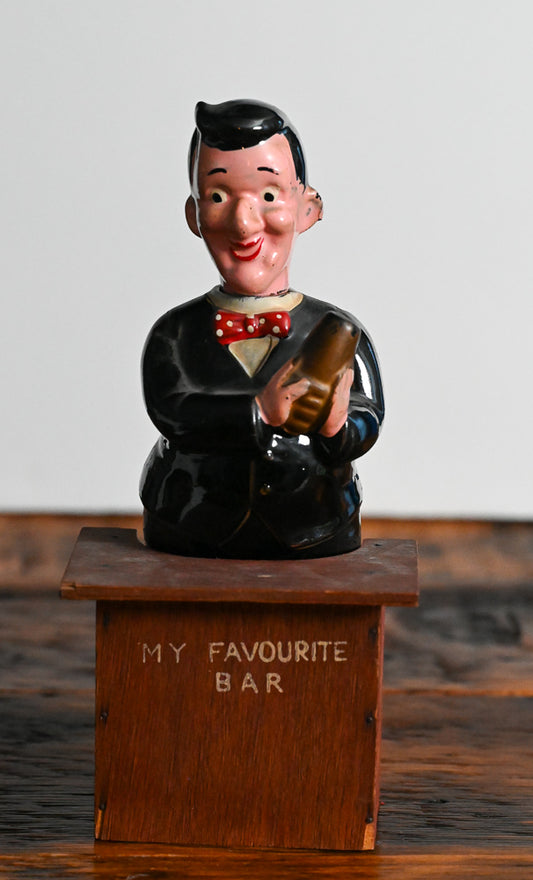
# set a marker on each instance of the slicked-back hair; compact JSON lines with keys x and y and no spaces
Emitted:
{"x":233,"y":125}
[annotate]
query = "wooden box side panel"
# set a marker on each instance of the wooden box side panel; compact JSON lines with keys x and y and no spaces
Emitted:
{"x":238,"y":725}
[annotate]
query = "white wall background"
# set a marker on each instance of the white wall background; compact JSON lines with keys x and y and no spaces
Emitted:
{"x":418,"y":126}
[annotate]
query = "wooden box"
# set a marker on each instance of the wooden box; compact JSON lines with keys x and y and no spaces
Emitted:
{"x":238,"y":703}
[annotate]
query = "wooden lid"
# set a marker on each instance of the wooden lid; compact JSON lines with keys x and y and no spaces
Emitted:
{"x":113,"y":564}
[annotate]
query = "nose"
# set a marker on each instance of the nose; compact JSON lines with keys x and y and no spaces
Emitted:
{"x":246,"y":218}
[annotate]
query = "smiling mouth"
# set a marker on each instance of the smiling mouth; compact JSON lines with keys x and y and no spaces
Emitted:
{"x":249,"y":251}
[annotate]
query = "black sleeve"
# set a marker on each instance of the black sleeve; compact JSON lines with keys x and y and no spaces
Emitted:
{"x":192,"y":418}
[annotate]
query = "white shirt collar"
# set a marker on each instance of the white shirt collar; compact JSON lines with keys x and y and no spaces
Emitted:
{"x":254,"y":305}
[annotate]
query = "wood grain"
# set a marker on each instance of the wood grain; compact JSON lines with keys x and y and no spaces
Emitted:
{"x":283,"y":754}
{"x":478,"y":554}
{"x":455,"y":772}
{"x":457,"y":765}
{"x":113,"y":564}
{"x":109,"y":862}
{"x":35,"y":549}
{"x":190,"y":750}
{"x":464,"y":641}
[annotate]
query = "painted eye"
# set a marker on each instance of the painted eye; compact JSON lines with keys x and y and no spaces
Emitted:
{"x":218,"y":196}
{"x":270,"y":194}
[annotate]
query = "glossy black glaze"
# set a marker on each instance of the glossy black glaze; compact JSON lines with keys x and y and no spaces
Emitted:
{"x":219,"y":481}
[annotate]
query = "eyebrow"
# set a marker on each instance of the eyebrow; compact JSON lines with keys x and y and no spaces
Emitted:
{"x":264,"y":168}
{"x":216,"y":170}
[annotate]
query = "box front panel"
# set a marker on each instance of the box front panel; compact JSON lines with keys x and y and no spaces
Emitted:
{"x":237,"y":725}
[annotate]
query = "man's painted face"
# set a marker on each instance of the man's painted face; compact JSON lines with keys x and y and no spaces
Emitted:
{"x":249,"y":210}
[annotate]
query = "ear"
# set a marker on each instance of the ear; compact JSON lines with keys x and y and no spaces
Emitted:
{"x":310,"y":209}
{"x":190,"y":214}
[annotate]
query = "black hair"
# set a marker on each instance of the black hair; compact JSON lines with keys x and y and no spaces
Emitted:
{"x":241,"y":123}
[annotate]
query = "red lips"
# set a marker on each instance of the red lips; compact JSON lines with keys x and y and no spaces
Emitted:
{"x":256,"y":244}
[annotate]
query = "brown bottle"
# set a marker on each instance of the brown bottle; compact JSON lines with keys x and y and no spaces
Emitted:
{"x":326,"y":353}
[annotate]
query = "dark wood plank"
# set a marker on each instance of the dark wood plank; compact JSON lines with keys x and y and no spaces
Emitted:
{"x":113,"y":564}
{"x":459,"y":772}
{"x":459,"y":641}
{"x":46,"y":769}
{"x":456,"y":771}
{"x":464,"y":641}
{"x":467,"y":553}
{"x":457,"y":775}
{"x":45,"y":644}
{"x":112,"y":862}
{"x":34,"y":549}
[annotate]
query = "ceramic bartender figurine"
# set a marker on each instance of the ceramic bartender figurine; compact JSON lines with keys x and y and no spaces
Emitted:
{"x":263,"y":396}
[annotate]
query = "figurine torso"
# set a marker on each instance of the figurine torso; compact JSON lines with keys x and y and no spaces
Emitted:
{"x":224,"y":482}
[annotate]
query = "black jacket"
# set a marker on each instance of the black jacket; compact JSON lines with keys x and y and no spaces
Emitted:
{"x":217,"y":463}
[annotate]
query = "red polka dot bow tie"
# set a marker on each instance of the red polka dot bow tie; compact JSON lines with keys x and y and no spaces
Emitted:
{"x":234,"y":326}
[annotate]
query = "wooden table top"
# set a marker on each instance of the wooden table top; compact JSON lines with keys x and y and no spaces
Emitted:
{"x":457,"y":758}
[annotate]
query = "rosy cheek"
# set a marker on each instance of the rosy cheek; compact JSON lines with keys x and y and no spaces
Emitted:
{"x":279,"y":222}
